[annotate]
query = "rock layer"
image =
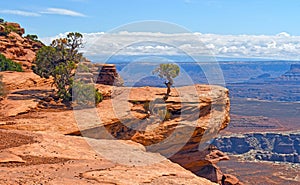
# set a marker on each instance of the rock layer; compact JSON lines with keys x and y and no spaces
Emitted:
{"x":17,"y":48}
{"x":99,"y":73}
{"x":263,"y":146}
{"x":197,"y":114}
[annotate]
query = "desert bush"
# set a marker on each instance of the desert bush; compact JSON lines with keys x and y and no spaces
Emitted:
{"x":7,"y":29}
{"x":81,"y":68}
{"x":146,"y":106}
{"x":164,"y":114}
{"x":32,"y":37}
{"x":9,"y":65}
{"x":85,"y":94}
{"x":10,"y":28}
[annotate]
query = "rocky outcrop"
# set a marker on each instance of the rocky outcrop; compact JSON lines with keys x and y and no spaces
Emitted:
{"x":11,"y":26}
{"x":98,"y":73}
{"x":263,"y":146}
{"x":195,"y":117}
{"x":17,"y":48}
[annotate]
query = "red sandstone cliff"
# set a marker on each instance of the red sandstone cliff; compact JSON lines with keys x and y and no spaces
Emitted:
{"x":35,"y":144}
{"x":17,"y":48}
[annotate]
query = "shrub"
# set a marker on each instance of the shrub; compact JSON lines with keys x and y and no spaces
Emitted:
{"x":146,"y":106}
{"x":81,"y":68}
{"x":1,"y":20}
{"x":85,"y":94}
{"x":164,"y":114}
{"x":8,"y":29}
{"x":32,"y":37}
{"x":9,"y":65}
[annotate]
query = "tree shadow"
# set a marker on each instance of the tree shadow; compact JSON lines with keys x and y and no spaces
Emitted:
{"x":30,"y":94}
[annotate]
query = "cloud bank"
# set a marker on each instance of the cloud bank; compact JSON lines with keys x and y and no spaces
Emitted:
{"x":281,"y":46}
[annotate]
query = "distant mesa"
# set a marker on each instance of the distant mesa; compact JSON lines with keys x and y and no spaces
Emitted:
{"x":292,"y":75}
{"x":261,"y":78}
{"x":264,"y":146}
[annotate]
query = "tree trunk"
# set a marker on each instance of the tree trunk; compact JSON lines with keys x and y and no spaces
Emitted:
{"x":169,"y":84}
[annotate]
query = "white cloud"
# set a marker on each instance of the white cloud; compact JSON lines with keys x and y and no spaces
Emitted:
{"x":60,"y":11}
{"x":280,"y":46}
{"x":20,"y":12}
{"x":283,"y":34}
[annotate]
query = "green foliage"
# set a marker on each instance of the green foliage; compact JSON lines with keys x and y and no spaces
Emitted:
{"x":10,"y":28}
{"x":32,"y":37}
{"x":164,"y":114}
{"x":7,"y":28}
{"x":86,"y":94}
{"x":81,"y":68}
{"x":167,"y":71}
{"x":9,"y":65}
{"x":146,"y":106}
{"x":3,"y":91}
{"x":60,"y":60}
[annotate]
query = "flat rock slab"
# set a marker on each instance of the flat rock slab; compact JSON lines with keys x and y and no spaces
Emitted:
{"x":6,"y":157}
{"x":68,"y":160}
{"x":16,"y":107}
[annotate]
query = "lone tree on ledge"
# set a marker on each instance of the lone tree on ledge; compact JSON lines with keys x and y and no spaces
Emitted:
{"x":168,"y":72}
{"x":60,"y":61}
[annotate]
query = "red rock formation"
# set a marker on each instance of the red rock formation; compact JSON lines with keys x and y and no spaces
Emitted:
{"x":17,"y":48}
{"x":212,"y":103}
{"x":193,"y":113}
{"x":105,"y":74}
{"x":49,"y":158}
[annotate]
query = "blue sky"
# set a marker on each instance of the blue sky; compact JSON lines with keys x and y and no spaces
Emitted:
{"x":255,"y":17}
{"x":227,"y":28}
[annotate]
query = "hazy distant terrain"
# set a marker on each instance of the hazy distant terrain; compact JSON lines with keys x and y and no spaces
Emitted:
{"x":265,"y":95}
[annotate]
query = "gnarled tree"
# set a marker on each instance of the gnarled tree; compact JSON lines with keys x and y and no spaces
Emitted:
{"x":60,"y":61}
{"x":168,"y":72}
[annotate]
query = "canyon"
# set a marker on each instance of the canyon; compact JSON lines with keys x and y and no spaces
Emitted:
{"x":29,"y":113}
{"x":46,"y":141}
{"x":263,"y":146}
